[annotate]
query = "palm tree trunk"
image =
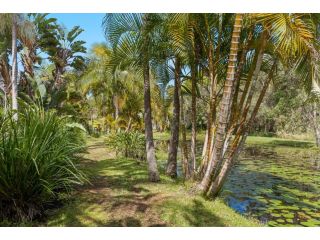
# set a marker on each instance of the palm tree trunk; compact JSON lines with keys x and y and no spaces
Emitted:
{"x":174,"y":140}
{"x":193,"y":118}
{"x":183,"y":142}
{"x":238,"y":76}
{"x":14,"y":76}
{"x":58,"y":78}
{"x":151,"y":158}
{"x":211,"y":117}
{"x":116,"y":106}
{"x":219,"y":139}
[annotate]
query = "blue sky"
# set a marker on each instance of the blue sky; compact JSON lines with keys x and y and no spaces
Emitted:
{"x":90,"y":22}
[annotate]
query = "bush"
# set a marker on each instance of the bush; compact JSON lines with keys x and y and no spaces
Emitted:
{"x":38,"y":154}
{"x":128,"y":144}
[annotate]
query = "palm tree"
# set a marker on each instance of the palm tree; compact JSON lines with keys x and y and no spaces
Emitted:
{"x":130,"y":36}
{"x":14,"y":76}
{"x":185,"y":38}
{"x":35,"y":36}
{"x":291,"y":38}
{"x":174,"y":140}
{"x":225,"y":105}
{"x":11,"y":21}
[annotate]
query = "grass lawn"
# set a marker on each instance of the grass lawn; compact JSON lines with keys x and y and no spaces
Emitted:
{"x":251,"y":140}
{"x":120,"y":195}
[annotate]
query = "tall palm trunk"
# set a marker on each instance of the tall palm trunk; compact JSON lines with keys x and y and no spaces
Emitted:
{"x":236,"y":88}
{"x":58,"y":77}
{"x":14,"y":76}
{"x":193,"y":117}
{"x":116,"y":106}
{"x":315,"y":58}
{"x":220,"y":135}
{"x":183,"y":143}
{"x":211,"y":115}
{"x":174,"y":140}
{"x":151,"y":158}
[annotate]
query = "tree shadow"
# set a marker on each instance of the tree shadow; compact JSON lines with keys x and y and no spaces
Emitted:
{"x":121,"y":174}
{"x":126,"y":222}
{"x":196,"y":215}
{"x":115,"y":195}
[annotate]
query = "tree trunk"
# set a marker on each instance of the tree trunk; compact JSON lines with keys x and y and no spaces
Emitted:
{"x":58,"y":78}
{"x":219,"y":139}
{"x":174,"y":140}
{"x":116,"y":106}
{"x":211,"y":115}
{"x":14,"y":68}
{"x":193,"y":118}
{"x":183,"y":142}
{"x":236,"y":88}
{"x":151,"y":158}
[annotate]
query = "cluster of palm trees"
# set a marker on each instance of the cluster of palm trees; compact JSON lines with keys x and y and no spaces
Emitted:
{"x":225,"y":61}
{"x":210,"y":67}
{"x":38,"y":42}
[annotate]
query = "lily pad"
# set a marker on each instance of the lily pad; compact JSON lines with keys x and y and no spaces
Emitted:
{"x":311,"y":223}
{"x":272,"y":223}
{"x":288,"y":215}
{"x":280,"y":220}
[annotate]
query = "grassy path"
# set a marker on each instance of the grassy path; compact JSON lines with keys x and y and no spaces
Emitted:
{"x":120,"y":195}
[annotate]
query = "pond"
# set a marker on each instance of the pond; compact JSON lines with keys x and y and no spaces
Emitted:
{"x":276,"y":184}
{"x":280,"y":186}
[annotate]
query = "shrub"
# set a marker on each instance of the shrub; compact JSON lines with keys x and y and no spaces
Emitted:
{"x":128,"y":144}
{"x":38,"y":154}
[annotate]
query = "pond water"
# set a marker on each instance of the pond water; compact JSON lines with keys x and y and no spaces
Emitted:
{"x":278,"y":185}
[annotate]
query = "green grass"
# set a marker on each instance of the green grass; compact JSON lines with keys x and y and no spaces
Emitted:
{"x":251,"y":140}
{"x":279,"y":142}
{"x":120,"y":195}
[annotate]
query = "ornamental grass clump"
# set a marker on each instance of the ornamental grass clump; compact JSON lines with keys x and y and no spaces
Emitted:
{"x":38,"y":161}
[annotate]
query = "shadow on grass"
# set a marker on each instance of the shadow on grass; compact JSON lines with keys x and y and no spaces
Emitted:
{"x":118,"y":174}
{"x":117,"y":196}
{"x":193,"y":213}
